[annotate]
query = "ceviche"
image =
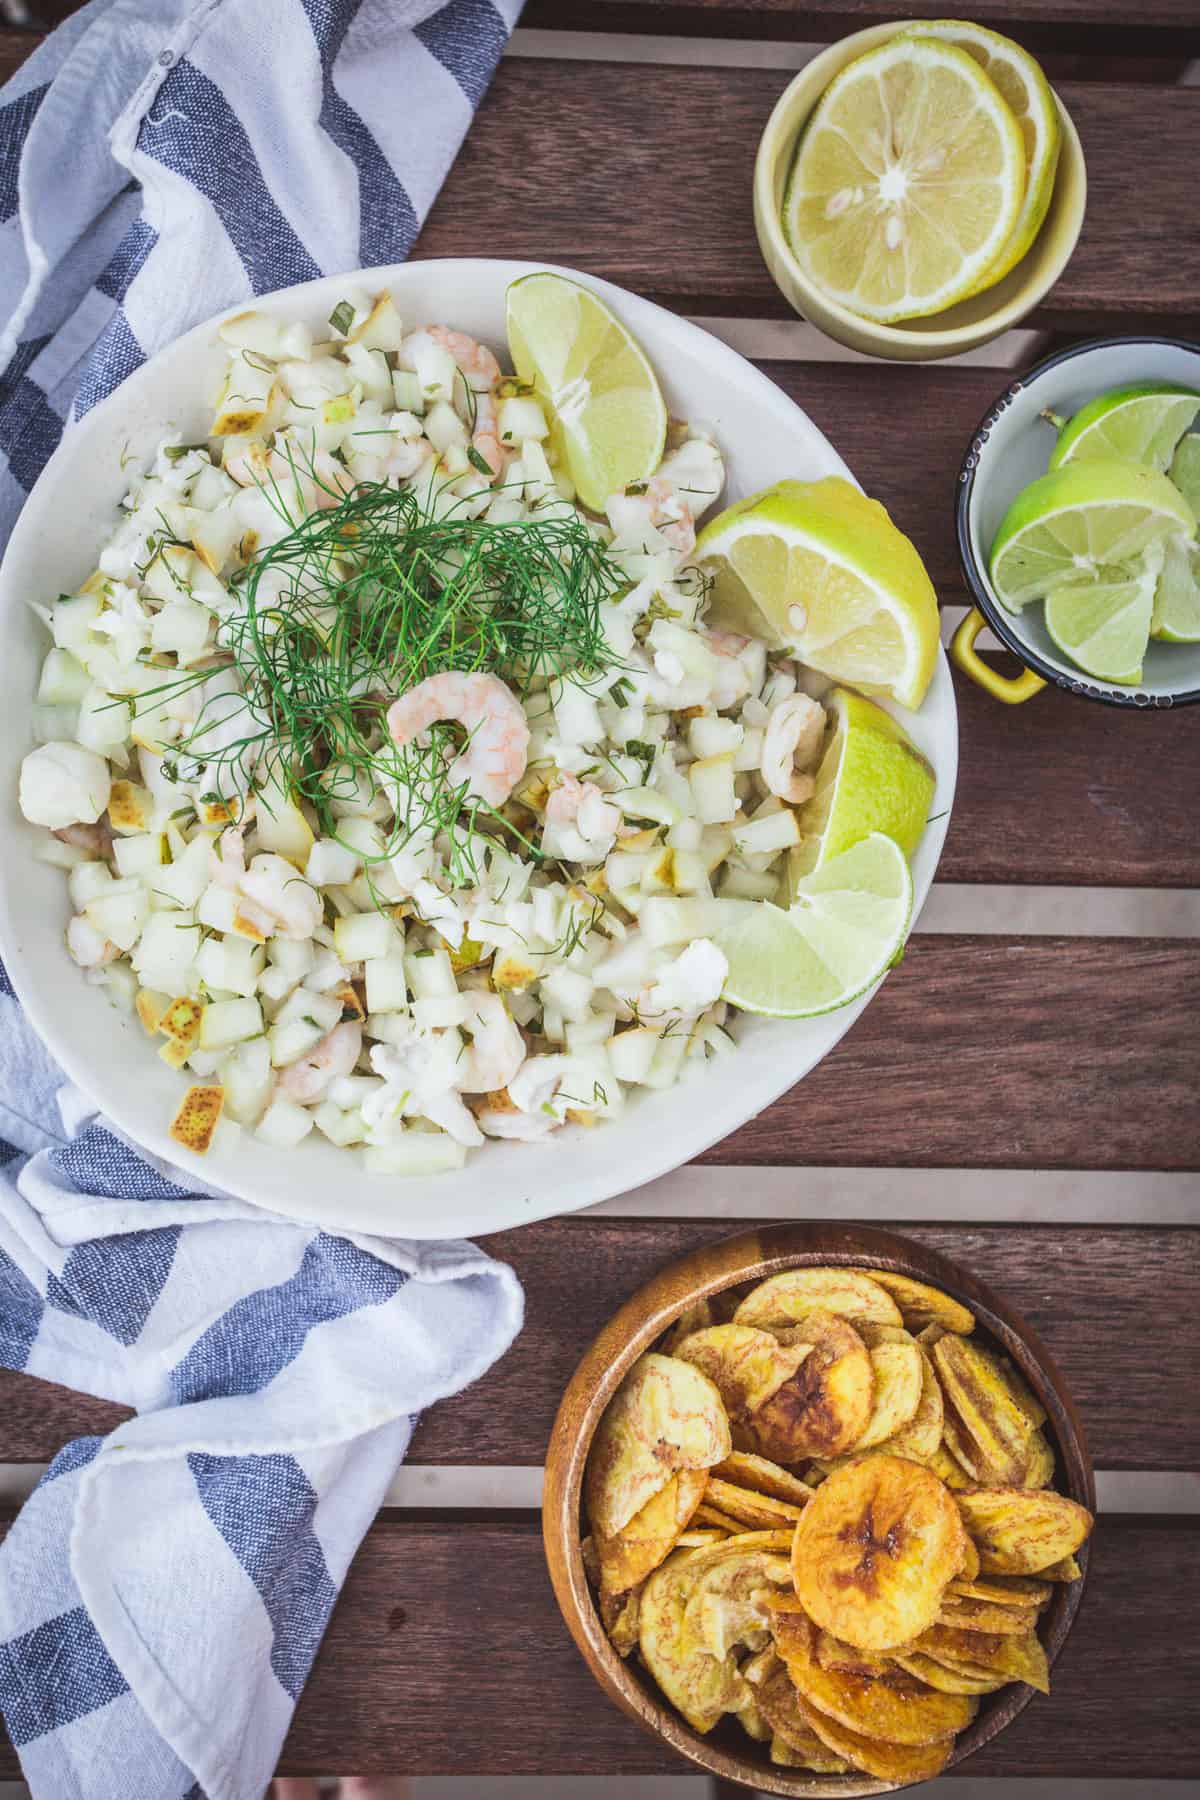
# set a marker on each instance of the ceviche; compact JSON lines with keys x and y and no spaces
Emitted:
{"x":404,"y":785}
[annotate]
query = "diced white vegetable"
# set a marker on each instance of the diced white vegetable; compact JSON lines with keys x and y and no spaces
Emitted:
{"x":295,"y":957}
{"x":631,"y":1053}
{"x":519,"y":419}
{"x":71,"y":621}
{"x":769,"y":833}
{"x":668,"y":1061}
{"x":648,"y":803}
{"x":435,"y":368}
{"x":321,"y":1011}
{"x":88,"y":882}
{"x":364,"y":936}
{"x":164,"y":955}
{"x":330,"y":864}
{"x":182,"y":627}
{"x":341,"y":1128}
{"x":268,"y":336}
{"x":247,"y":1078}
{"x":226,"y":1022}
{"x":64,"y":784}
{"x":711,"y":735}
{"x":415,"y":1153}
{"x":142,"y":854}
{"x":569,"y":991}
{"x":246,"y":397}
{"x":230,"y":965}
{"x":87,"y":946}
{"x":64,"y":680}
{"x":576,"y":715}
{"x":328,"y":971}
{"x":349,"y":1091}
{"x":387,"y":983}
{"x":120,"y":913}
{"x":408,"y":392}
{"x":58,"y":855}
{"x":104,"y":722}
{"x":443,"y":427}
{"x":666,"y":921}
{"x":282,"y":827}
{"x":186,"y":880}
{"x":284,"y":1125}
{"x":430,"y":974}
{"x":748,"y":884}
{"x":381,"y":329}
{"x":713,"y":792}
{"x":292,"y":1041}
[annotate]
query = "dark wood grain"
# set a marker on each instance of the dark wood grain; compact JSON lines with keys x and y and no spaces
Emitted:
{"x":651,"y":188}
{"x":446,"y":1654}
{"x":1093,"y":1294}
{"x":1036,"y":23}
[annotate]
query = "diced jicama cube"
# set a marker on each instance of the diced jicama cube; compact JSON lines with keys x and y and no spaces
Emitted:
{"x":330,"y":864}
{"x":521,"y":418}
{"x":341,"y":1128}
{"x":104,"y":721}
{"x":323,"y":1011}
{"x":230,"y":965}
{"x":664,"y":920}
{"x":267,"y":335}
{"x":142,"y":854}
{"x":284,"y":1125}
{"x":415,"y":1153}
{"x":631,"y":1053}
{"x":120,"y":913}
{"x":769,"y":833}
{"x":186,"y":880}
{"x":431,"y":974}
{"x":362,"y":936}
{"x":225,"y":1022}
{"x":387,"y":983}
{"x":713,"y":794}
{"x":292,"y":1041}
{"x":163,"y":957}
{"x":88,"y":882}
{"x":711,"y":735}
{"x":64,"y":680}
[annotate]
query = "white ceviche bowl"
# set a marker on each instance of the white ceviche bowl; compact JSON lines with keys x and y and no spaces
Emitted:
{"x":764,"y":437}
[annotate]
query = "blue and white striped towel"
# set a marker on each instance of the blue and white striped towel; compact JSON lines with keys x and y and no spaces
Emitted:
{"x":163,"y":1592}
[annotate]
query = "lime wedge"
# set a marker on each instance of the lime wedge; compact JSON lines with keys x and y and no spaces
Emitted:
{"x":1185,"y":470}
{"x":608,"y":417}
{"x":1141,"y":424}
{"x":871,"y":778}
{"x":844,"y":929}
{"x":1104,"y":626}
{"x":816,"y":568}
{"x":908,"y":183}
{"x":1085,"y":523}
{"x":1176,"y":616}
{"x":1031,"y":102}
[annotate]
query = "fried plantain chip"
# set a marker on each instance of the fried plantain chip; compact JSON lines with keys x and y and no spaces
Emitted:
{"x":619,"y":1614}
{"x":746,"y":1365}
{"x":1002,"y":1590}
{"x":921,"y":1305}
{"x":947,"y":1470}
{"x":637,"y":1549}
{"x":787,"y":1299}
{"x":993,"y":1417}
{"x":699,"y":1539}
{"x":727,"y":1604}
{"x":979,"y":1615}
{"x":888,"y":1762}
{"x":968,"y":1569}
{"x":874,"y":1549}
{"x":1066,"y":1569}
{"x":750,"y":1718}
{"x":930,"y":1335}
{"x":946,"y":1680}
{"x":702,"y":1686}
{"x":1022,"y":1531}
{"x":896,"y":1367}
{"x":991,"y":1653}
{"x":922,"y":1435}
{"x":892,"y":1706}
{"x":759,"y":1511}
{"x":762,"y":1476}
{"x":847,"y":1659}
{"x":824,"y":1407}
{"x":708,"y":1515}
{"x":666,"y":1415}
{"x":697,"y":1317}
{"x":1039,"y":1469}
{"x":779,"y":1705}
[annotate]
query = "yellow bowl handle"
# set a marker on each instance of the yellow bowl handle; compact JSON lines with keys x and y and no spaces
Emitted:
{"x":962,"y":648}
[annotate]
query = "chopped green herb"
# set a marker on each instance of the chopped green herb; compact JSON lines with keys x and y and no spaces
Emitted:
{"x":342,"y":317}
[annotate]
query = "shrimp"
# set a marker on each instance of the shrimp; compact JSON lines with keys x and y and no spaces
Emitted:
{"x":272,"y":883}
{"x":95,"y":839}
{"x":582,"y":803}
{"x":335,"y":1055}
{"x":494,"y":758}
{"x":671,"y":515}
{"x":792,"y":741}
{"x":732,"y":681}
{"x":497,"y":1049}
{"x":476,"y":364}
{"x":406,"y":456}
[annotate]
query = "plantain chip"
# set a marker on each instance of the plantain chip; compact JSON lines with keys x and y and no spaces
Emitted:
{"x":1002,"y":1590}
{"x":922,"y":1435}
{"x":619,"y":1614}
{"x":750,"y":1718}
{"x":727,"y":1606}
{"x":874,"y":1549}
{"x":892,"y":1706}
{"x":762,"y":1476}
{"x":706,"y":1515}
{"x":979,"y":1615}
{"x":943,"y":1465}
{"x":1066,"y":1569}
{"x":697,"y":1317}
{"x":968,"y":1569}
{"x":759,"y":1511}
{"x":901,"y":1763}
{"x":699,"y":1539}
{"x":847,"y":1659}
{"x":991,"y":1653}
{"x":666,"y":1415}
{"x":747,"y":1366}
{"x":946,"y":1680}
{"x":896,"y":1367}
{"x":702,"y":1686}
{"x":779,"y":1705}
{"x":787,"y":1299}
{"x":930,"y":1334}
{"x":1039,"y":1469}
{"x":1022,"y":1531}
{"x":824,"y":1407}
{"x":996,"y":1408}
{"x":921,"y":1305}
{"x":637,"y":1549}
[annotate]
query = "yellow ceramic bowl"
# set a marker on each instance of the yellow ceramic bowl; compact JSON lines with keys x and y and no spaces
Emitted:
{"x":962,"y":327}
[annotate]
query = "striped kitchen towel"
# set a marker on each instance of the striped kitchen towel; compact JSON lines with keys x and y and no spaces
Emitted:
{"x":163,"y":159}
{"x":164,"y":1590}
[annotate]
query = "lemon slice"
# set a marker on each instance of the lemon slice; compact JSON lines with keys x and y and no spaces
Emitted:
{"x":817,"y":569}
{"x":844,"y":929}
{"x":1028,"y":96}
{"x":1141,"y":424}
{"x":872,"y":777}
{"x":1104,"y":626}
{"x":908,"y":183}
{"x":607,"y":414}
{"x":1085,"y":523}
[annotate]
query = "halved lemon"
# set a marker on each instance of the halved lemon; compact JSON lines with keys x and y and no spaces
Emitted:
{"x":608,"y":419}
{"x":908,"y":183}
{"x":1029,"y":97}
{"x":816,"y":568}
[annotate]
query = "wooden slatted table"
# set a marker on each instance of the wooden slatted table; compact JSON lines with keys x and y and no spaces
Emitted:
{"x":1054,"y":1069}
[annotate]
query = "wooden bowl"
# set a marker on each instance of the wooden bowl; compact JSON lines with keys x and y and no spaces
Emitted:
{"x":752,"y":1256}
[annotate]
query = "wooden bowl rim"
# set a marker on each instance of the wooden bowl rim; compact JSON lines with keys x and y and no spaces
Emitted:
{"x":707,"y":1270}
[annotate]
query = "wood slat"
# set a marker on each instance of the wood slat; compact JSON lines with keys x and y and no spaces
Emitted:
{"x":1039,"y":24}
{"x":648,"y":183}
{"x":446,"y":1654}
{"x":1091,"y":1293}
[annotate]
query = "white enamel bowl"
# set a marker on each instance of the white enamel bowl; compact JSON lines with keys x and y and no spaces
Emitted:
{"x":764,"y":437}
